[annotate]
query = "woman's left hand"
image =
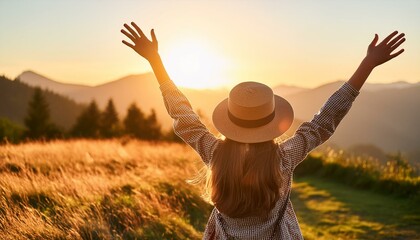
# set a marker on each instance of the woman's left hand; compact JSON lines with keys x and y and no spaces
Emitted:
{"x":381,"y":53}
{"x":142,"y":45}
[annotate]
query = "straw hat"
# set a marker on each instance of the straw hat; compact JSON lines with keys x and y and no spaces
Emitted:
{"x":252,"y":114}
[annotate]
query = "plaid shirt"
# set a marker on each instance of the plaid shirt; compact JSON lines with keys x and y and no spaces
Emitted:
{"x":292,"y":151}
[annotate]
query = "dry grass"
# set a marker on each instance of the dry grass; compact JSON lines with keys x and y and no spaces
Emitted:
{"x":128,"y":189}
{"x":84,"y":189}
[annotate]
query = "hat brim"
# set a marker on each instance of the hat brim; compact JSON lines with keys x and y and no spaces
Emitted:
{"x":281,"y":122}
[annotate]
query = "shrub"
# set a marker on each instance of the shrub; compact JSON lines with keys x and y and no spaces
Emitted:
{"x":10,"y":131}
{"x":396,"y":177}
{"x":311,"y":165}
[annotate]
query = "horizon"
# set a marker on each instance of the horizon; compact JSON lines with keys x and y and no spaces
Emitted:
{"x":305,"y":102}
{"x":216,"y":88}
{"x":273,"y":43}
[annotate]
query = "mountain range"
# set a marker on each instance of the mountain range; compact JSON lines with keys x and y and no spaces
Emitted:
{"x":385,"y":115}
{"x":15,"y":96}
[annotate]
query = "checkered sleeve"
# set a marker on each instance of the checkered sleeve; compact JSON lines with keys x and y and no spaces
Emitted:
{"x":311,"y":134}
{"x":187,"y":124}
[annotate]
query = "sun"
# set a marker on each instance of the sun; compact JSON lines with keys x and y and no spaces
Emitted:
{"x":194,"y":64}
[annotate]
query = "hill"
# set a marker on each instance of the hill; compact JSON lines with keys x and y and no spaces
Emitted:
{"x":15,"y":96}
{"x":382,"y":114}
{"x":142,"y":89}
{"x":37,"y":80}
{"x":381,"y":117}
{"x":285,"y":90}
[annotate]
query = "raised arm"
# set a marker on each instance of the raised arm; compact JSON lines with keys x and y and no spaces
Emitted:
{"x":187,"y":124}
{"x":147,"y":49}
{"x":311,"y":134}
{"x":376,"y":55}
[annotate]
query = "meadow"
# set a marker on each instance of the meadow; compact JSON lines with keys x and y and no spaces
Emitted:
{"x":130,"y":189}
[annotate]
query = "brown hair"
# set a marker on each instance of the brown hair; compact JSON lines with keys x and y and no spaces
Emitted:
{"x":245,"y":178}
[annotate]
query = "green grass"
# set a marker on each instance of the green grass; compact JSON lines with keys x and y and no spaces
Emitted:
{"x":328,"y":210}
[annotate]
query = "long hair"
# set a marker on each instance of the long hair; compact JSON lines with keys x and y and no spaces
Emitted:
{"x":245,"y":178}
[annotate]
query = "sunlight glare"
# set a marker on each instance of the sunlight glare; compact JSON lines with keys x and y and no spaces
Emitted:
{"x":194,"y":64}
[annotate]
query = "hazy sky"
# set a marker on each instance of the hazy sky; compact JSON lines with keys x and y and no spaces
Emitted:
{"x":304,"y":43}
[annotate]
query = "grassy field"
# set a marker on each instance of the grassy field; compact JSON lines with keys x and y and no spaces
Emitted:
{"x":127,"y":189}
{"x":328,"y":210}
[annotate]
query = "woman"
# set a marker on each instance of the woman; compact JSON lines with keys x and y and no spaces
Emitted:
{"x":250,"y":177}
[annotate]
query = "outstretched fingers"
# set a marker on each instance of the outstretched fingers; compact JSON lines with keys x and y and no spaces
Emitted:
{"x":384,"y":51}
{"x":138,"y":29}
{"x":390,"y":36}
{"x":396,"y":54}
{"x":128,"y":35}
{"x":396,"y":39}
{"x":394,"y":44}
{"x":397,"y":44}
{"x":133,"y":33}
{"x":128,"y":44}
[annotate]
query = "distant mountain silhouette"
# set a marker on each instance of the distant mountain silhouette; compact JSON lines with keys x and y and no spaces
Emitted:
{"x":387,"y":118}
{"x":14,"y":98}
{"x":385,"y":86}
{"x":36,"y":80}
{"x":384,"y":114}
{"x":285,"y":90}
{"x":142,"y":89}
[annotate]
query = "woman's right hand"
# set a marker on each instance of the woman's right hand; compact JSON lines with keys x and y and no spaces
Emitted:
{"x":142,"y":45}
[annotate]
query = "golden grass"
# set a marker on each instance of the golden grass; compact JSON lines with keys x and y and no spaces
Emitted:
{"x":86,"y":189}
{"x":129,"y":189}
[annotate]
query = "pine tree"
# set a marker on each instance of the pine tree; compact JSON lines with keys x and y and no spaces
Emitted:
{"x":88,"y":123}
{"x":135,"y":122}
{"x":37,"y":120}
{"x":153,"y":127}
{"x":109,"y":121}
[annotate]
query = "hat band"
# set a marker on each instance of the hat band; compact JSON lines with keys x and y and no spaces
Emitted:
{"x":251,"y":123}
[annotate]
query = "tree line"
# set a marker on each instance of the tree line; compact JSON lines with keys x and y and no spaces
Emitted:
{"x":91,"y":123}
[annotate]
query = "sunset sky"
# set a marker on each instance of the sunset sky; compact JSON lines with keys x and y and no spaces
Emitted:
{"x":207,"y":43}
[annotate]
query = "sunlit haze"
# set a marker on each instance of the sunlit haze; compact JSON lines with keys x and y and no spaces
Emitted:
{"x":195,"y":64}
{"x":207,"y":44}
